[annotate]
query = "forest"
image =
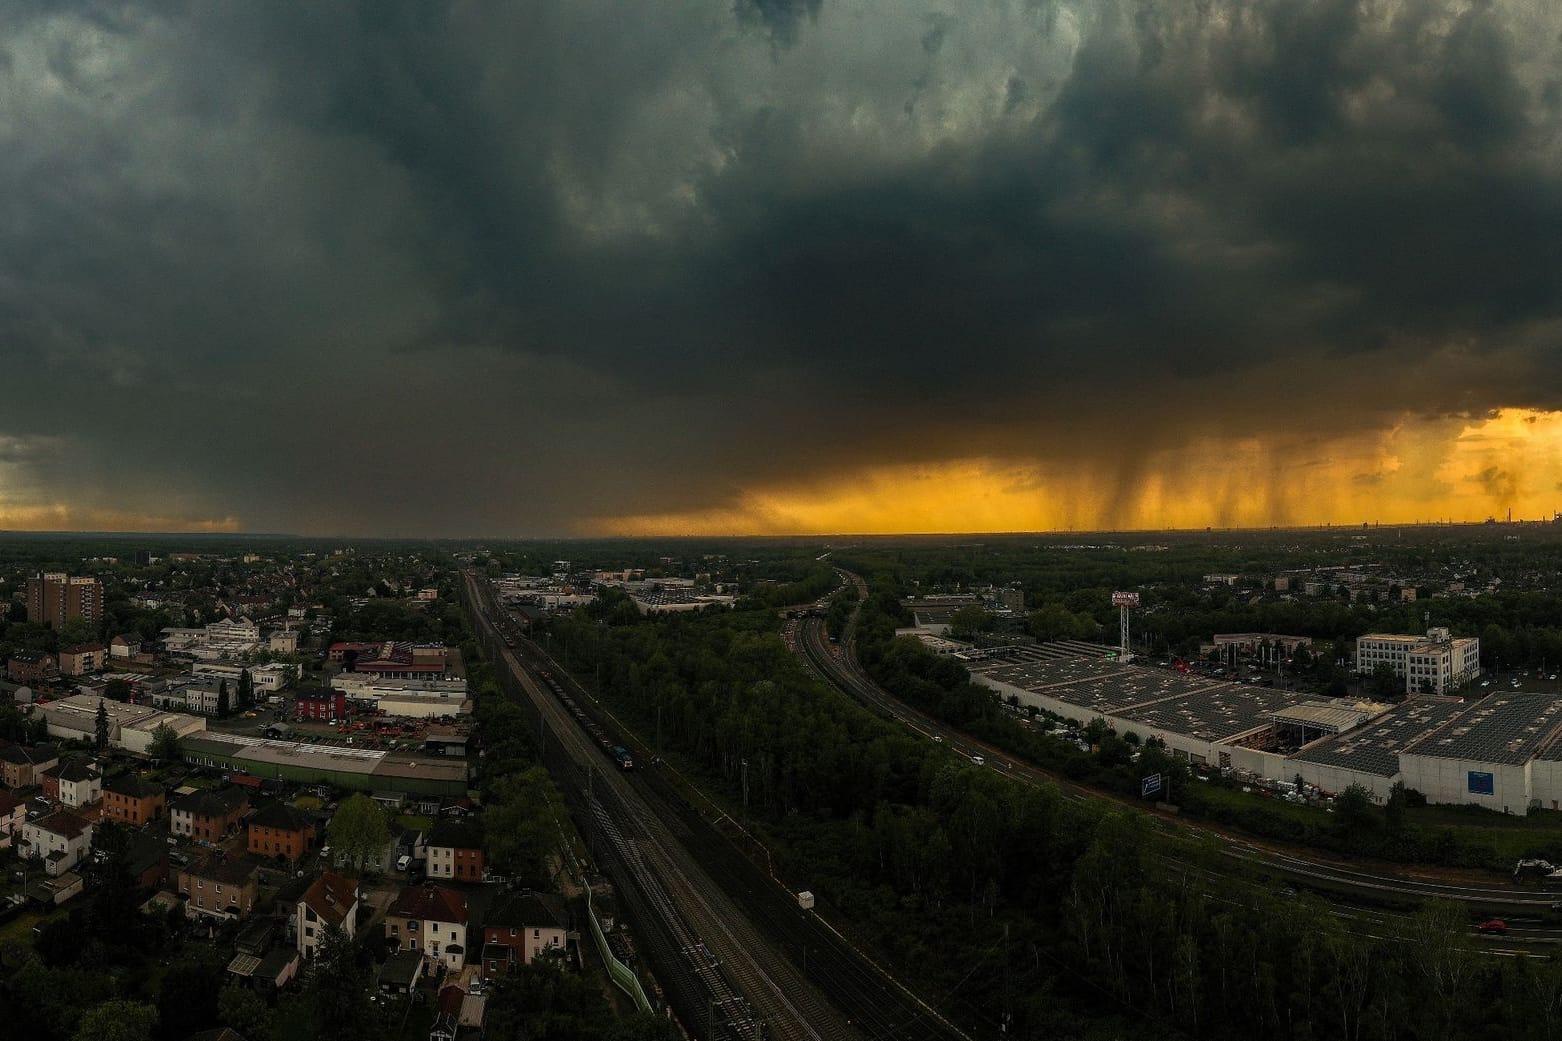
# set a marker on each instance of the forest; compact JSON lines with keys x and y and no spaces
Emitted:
{"x":1011,"y":905}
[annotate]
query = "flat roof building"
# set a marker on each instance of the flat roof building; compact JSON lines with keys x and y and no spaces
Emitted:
{"x":1432,"y":664}
{"x":361,"y":769}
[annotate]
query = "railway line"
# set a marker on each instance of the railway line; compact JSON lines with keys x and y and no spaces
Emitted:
{"x":1349,"y":887}
{"x":721,"y":910}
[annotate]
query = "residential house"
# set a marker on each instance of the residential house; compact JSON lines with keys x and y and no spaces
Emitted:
{"x":21,"y":766}
{"x":431,"y":919}
{"x":208,"y":815}
{"x":520,"y":926}
{"x":60,"y":839}
{"x":131,"y":799}
{"x":218,"y":887}
{"x":13,"y":814}
{"x":124,"y":647}
{"x":31,"y":667}
{"x":455,"y":851}
{"x":331,"y":899}
{"x":75,"y":782}
{"x":280,"y":830}
{"x":83,"y":658}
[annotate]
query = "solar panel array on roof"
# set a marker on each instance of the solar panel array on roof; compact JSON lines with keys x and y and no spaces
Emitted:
{"x":1506,"y":729}
{"x":1375,"y":747}
{"x":1217,"y":713}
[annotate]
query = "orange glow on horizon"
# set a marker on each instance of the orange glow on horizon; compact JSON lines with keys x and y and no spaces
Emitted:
{"x":1457,"y":468}
{"x":62,"y":518}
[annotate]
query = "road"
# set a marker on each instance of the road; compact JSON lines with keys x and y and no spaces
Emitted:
{"x":1350,"y":888}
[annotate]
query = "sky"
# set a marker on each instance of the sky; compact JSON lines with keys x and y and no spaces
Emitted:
{"x":778,"y":266}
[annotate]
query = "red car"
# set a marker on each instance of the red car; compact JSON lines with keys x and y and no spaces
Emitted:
{"x":1493,"y":926}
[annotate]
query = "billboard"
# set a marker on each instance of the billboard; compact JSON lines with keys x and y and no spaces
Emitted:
{"x":1480,"y":783}
{"x":1125,"y":599}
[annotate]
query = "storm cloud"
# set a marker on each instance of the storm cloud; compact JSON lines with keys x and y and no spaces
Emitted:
{"x":399,"y":267}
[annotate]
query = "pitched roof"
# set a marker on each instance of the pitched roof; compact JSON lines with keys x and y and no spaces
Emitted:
{"x":8,"y":802}
{"x":281,"y":816}
{"x":13,"y":753}
{"x":133,"y":785}
{"x":331,"y":896}
{"x":430,"y":902}
{"x":83,"y":648}
{"x":217,"y":802}
{"x":237,"y":871}
{"x":527,"y":909}
{"x":63,"y":823}
{"x":73,"y":770}
{"x":456,"y":835}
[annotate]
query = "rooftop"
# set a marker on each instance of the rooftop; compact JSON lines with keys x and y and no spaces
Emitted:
{"x":1375,"y":747}
{"x":331,"y":896}
{"x":429,"y":902}
{"x":1507,"y":729}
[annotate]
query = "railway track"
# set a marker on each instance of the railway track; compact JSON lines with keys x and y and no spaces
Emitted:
{"x":742,"y":988}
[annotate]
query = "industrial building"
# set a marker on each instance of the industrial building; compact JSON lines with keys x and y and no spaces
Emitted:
{"x":130,"y":727}
{"x":1432,"y":664}
{"x":1503,"y":752}
{"x":361,"y":769}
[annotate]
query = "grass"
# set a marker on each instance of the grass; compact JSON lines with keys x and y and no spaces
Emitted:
{"x":414,"y":822}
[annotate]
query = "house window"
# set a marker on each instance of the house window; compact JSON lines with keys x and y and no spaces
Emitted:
{"x":512,"y":932}
{"x":412,"y":925}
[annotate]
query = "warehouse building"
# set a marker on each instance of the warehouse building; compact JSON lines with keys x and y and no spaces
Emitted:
{"x":1503,"y":752}
{"x":130,"y":727}
{"x":1486,"y":755}
{"x":360,"y":769}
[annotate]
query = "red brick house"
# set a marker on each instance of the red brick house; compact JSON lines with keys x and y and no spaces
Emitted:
{"x":280,"y":830}
{"x":31,"y":667}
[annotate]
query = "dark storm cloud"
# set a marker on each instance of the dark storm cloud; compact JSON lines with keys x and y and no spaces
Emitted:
{"x":595,"y":259}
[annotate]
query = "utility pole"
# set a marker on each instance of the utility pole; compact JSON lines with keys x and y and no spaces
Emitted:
{"x":745,"y":793}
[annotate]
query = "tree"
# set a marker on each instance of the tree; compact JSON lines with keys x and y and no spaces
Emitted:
{"x":100,"y":730}
{"x":117,"y":1021}
{"x":166,"y":746}
{"x":522,"y":824}
{"x":243,"y":1010}
{"x":358,"y":831}
{"x":117,"y":689}
{"x":1386,"y":686}
{"x":968,"y":621}
{"x":223,"y":707}
{"x":338,"y":992}
{"x":77,"y":630}
{"x":246,"y":689}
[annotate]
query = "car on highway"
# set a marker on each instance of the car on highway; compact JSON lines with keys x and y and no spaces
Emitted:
{"x":938,"y":738}
{"x":978,"y":760}
{"x":1493,"y":927}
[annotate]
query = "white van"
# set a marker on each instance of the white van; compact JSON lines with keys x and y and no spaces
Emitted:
{"x":978,"y":760}
{"x":403,"y":862}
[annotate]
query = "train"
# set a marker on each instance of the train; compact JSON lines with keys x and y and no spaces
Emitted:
{"x":611,"y":746}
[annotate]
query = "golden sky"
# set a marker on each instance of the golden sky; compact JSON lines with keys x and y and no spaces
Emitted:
{"x":1421,"y":468}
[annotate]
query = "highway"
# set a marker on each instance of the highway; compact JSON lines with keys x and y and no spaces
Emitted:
{"x":1352,"y":890}
{"x":803,"y":979}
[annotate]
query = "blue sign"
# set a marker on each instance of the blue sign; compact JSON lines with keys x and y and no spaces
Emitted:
{"x":1480,"y":783}
{"x":1150,"y":785}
